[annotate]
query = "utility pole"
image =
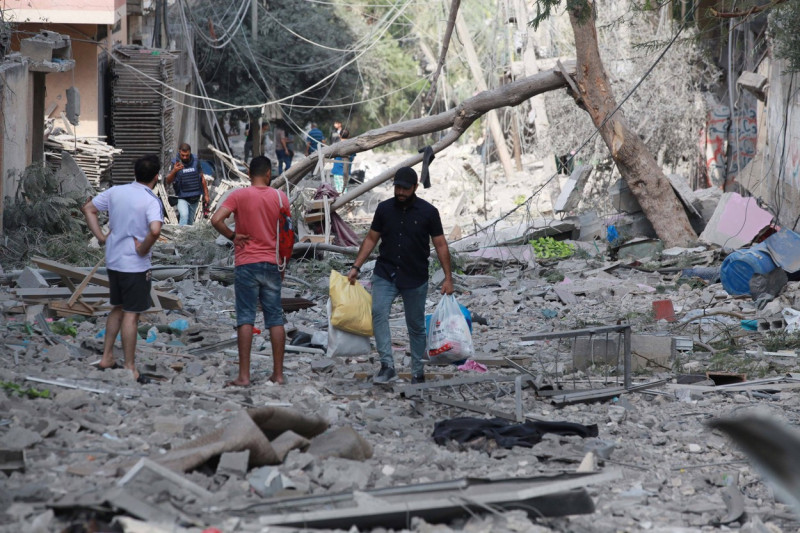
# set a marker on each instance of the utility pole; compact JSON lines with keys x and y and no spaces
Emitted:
{"x":477,"y":73}
{"x":529,"y":61}
{"x":253,"y":20}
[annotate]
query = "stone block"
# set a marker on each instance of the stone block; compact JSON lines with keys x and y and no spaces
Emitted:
{"x":572,"y":191}
{"x":234,"y":463}
{"x":30,"y":278}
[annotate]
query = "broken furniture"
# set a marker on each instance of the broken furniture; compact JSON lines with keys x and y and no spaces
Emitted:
{"x":318,"y":211}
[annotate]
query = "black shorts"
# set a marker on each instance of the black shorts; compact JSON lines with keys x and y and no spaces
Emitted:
{"x":131,"y":290}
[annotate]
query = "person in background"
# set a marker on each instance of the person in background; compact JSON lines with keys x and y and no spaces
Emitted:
{"x":405,"y":225}
{"x":135,"y":216}
{"x":341,"y":167}
{"x":283,"y":147}
{"x":189,"y":183}
{"x":314,"y":139}
{"x":336,"y":133}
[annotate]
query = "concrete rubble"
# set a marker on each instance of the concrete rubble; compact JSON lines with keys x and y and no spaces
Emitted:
{"x":80,"y":444}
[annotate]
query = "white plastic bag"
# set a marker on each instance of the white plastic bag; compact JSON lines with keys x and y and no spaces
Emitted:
{"x":344,"y":344}
{"x":792,"y":318}
{"x":449,"y":338}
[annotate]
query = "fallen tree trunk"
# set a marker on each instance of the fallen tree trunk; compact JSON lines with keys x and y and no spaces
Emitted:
{"x":640,"y":170}
{"x":457,"y":119}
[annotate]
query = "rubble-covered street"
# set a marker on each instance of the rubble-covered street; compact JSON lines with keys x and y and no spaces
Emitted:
{"x":582,"y":439}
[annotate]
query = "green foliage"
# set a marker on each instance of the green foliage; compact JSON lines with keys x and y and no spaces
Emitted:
{"x":554,"y":276}
{"x":30,"y":392}
{"x":775,"y":341}
{"x":582,"y":9}
{"x":39,"y":204}
{"x":64,"y":327}
{"x":549,"y":248}
{"x":280,"y":62}
{"x":40,"y":220}
{"x":783,"y":25}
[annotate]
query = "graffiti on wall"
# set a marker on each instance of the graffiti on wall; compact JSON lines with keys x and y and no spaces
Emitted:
{"x":723,"y":135}
{"x":715,"y":144}
{"x":792,"y":167}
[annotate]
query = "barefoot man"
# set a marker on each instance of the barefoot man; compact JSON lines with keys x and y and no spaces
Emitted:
{"x":134,"y":222}
{"x":257,"y":277}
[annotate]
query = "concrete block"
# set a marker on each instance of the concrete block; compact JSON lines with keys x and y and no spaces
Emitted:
{"x":755,"y":83}
{"x":234,"y":463}
{"x":572,"y":191}
{"x":36,"y":49}
{"x":30,"y":278}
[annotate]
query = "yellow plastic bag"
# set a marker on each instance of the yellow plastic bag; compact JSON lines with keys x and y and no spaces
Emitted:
{"x":351,"y":306}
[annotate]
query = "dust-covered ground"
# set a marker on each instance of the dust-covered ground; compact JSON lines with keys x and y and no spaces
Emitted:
{"x":656,"y":462}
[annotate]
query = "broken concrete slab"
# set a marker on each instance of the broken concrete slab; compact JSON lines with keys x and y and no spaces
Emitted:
{"x":736,"y":222}
{"x":684,"y":192}
{"x":572,"y":191}
{"x":344,"y":442}
{"x":234,"y":463}
{"x":30,"y":278}
{"x":73,"y":180}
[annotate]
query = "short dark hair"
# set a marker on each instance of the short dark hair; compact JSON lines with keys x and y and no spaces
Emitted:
{"x":185,"y":147}
{"x":260,"y":166}
{"x":345,"y":134}
{"x":146,"y":168}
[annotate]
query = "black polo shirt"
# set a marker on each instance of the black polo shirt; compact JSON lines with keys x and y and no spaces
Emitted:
{"x":405,"y":240}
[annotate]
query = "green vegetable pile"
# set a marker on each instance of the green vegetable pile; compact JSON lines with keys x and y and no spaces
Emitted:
{"x":30,"y":393}
{"x":549,"y":248}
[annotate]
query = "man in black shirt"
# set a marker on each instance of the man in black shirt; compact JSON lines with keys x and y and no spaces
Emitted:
{"x":405,"y":226}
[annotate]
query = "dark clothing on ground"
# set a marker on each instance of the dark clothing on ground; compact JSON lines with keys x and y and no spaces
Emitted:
{"x":406,"y":231}
{"x":505,"y":433}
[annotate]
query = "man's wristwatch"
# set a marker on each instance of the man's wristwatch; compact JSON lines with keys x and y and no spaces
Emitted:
{"x":358,"y":268}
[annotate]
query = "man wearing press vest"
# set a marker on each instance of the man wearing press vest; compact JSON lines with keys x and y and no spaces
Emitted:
{"x":187,"y":179}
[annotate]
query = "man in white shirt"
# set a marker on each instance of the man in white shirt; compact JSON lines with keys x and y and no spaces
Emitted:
{"x":135,"y":215}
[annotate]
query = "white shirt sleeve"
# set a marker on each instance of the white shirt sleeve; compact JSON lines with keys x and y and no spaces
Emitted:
{"x":101,"y":201}
{"x":155,"y":213}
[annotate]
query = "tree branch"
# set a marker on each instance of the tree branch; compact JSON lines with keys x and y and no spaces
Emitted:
{"x":458,"y":119}
{"x":746,"y":13}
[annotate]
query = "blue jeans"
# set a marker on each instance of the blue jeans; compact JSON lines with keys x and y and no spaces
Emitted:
{"x":383,"y":294}
{"x":284,"y":161}
{"x":254,"y":283}
{"x":186,"y":211}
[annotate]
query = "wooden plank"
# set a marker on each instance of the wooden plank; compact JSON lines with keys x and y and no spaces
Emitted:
{"x":79,"y":308}
{"x":168,"y":301}
{"x":84,"y":283}
{"x":55,"y":293}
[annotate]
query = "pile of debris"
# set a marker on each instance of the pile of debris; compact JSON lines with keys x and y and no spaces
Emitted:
{"x":585,"y":406}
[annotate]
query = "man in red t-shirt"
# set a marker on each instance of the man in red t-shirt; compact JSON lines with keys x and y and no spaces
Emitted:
{"x":257,"y":275}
